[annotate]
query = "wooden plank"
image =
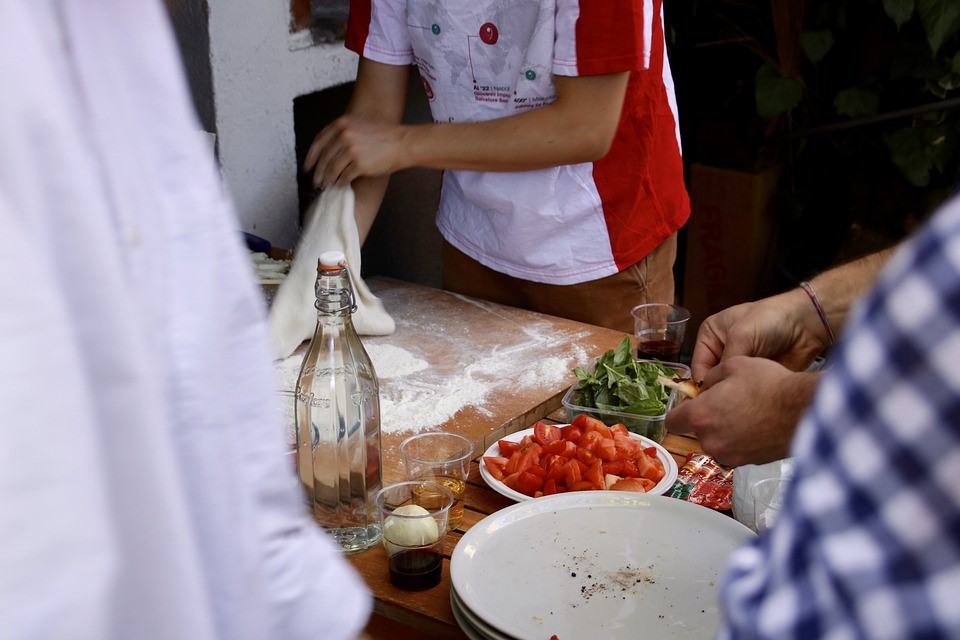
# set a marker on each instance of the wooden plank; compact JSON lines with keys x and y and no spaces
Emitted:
{"x":498,"y":351}
{"x":680,"y":446}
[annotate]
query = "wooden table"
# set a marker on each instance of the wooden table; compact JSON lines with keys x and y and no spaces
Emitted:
{"x":453,"y":334}
{"x":426,"y":615}
{"x":477,"y":344}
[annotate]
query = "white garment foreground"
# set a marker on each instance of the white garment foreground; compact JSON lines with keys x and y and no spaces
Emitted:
{"x":144,"y":493}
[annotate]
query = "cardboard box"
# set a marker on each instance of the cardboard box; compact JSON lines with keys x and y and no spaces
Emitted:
{"x":731,"y":241}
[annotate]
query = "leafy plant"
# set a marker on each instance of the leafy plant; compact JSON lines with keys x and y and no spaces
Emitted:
{"x":621,"y":382}
{"x":870,"y":62}
{"x":856,"y":102}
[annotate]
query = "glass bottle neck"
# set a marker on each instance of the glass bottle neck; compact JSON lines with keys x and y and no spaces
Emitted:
{"x":334,"y":293}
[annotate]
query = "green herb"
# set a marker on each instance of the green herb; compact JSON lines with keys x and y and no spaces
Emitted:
{"x":621,"y":382}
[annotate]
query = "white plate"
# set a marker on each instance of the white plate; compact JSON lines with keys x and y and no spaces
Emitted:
{"x":597,"y":564}
{"x":471,"y":624}
{"x":669,"y":467}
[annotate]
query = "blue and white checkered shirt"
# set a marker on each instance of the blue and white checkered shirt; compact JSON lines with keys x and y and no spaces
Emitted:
{"x":868,"y":542}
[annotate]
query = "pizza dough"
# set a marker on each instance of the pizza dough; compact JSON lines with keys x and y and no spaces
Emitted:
{"x":330,"y":226}
{"x":686,"y":386}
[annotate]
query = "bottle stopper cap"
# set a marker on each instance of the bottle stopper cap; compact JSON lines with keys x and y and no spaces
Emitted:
{"x":332,"y":260}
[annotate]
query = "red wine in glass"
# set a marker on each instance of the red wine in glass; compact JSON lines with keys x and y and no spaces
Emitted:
{"x":664,"y":350}
{"x":416,"y":569}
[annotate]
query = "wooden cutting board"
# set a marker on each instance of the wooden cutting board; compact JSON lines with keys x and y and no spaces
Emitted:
{"x":487,"y":370}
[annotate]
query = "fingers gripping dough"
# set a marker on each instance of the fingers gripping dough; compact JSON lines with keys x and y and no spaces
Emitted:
{"x":330,"y":226}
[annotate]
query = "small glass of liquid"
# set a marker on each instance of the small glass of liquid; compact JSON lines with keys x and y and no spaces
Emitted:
{"x":442,"y":458}
{"x":414,"y":531}
{"x":659,"y":329}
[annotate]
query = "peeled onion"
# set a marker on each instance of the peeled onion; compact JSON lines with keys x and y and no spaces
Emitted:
{"x":401,"y":529}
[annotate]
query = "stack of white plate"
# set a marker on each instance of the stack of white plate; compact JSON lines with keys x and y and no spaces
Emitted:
{"x":593,"y":564}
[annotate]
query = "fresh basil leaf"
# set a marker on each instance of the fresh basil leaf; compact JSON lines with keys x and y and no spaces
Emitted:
{"x":620,"y":382}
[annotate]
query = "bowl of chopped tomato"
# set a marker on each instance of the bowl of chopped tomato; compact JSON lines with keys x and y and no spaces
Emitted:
{"x":585,"y":455}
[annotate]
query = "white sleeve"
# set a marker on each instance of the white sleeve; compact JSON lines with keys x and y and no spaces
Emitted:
{"x":52,"y":487}
{"x":384,"y":38}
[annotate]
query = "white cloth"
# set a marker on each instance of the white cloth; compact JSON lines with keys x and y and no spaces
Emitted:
{"x":331,"y":226}
{"x":143,"y":488}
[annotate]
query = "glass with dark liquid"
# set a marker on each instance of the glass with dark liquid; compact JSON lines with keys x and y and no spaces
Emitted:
{"x":664,"y":350}
{"x":416,"y":569}
{"x":413,"y":520}
{"x":659,"y":329}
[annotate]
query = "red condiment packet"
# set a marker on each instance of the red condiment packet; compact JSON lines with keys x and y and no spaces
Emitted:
{"x":702,"y":481}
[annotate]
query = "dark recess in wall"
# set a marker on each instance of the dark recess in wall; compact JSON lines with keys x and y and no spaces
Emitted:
{"x":404,"y":242}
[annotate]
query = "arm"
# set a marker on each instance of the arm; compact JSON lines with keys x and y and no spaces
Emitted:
{"x":785,"y":328}
{"x":577,"y":127}
{"x":379,"y":96}
{"x":748,"y":407}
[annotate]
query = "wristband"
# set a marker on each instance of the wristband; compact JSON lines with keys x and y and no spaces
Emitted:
{"x":816,"y":305}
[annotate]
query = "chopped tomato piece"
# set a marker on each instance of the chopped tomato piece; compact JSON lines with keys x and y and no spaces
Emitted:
{"x":549,"y":487}
{"x":644,"y":466}
{"x":630,"y":484}
{"x":495,"y":466}
{"x":536,"y":470}
{"x":619,"y":430}
{"x":629,"y":469}
{"x":572,"y":473}
{"x":606,"y":450}
{"x":655,"y":471}
{"x":629,"y":445}
{"x":595,"y":474}
{"x":571,"y":450}
{"x":557,"y":469}
{"x":507,"y":448}
{"x":571,"y":433}
{"x":544,"y":433}
{"x":589,"y":423}
{"x":528,"y":483}
{"x":583,"y":485}
{"x":511,"y":480}
{"x":615,"y":467}
{"x":527,"y":458}
{"x":585,"y":456}
{"x":589,"y":439}
{"x":556,"y":447}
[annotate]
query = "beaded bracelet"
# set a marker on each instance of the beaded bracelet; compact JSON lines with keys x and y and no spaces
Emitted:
{"x":816,"y":304}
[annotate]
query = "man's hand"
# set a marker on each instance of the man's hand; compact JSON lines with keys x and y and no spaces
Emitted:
{"x":747,"y":410}
{"x":783,"y":328}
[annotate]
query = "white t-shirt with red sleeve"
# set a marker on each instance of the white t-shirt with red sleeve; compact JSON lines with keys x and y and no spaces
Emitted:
{"x":487,"y":59}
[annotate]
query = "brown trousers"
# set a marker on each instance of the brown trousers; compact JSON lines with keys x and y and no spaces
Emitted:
{"x":605,"y":302}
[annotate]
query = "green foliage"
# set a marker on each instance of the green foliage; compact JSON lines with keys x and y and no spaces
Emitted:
{"x":857,"y":102}
{"x":816,"y":44}
{"x":900,"y":11}
{"x":621,"y":382}
{"x":863,"y":60}
{"x":775,"y":94}
{"x":941,"y":20}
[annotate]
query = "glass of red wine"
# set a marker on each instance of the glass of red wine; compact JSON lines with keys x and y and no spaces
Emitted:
{"x":659,"y":329}
{"x":413,"y":517}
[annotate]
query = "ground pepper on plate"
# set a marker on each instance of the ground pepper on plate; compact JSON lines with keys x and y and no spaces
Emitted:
{"x":702,"y":481}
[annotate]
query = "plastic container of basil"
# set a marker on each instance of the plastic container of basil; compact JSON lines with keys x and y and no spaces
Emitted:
{"x":622,"y":389}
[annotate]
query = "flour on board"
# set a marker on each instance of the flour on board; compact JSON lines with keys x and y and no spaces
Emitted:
{"x":414,"y":398}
